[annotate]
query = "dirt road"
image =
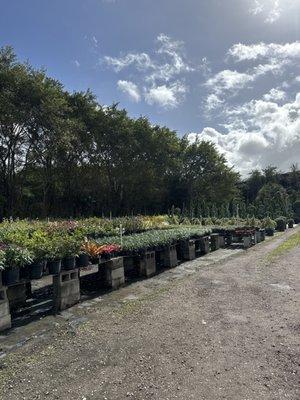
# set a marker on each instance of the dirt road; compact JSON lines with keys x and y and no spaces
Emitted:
{"x":228,"y":331}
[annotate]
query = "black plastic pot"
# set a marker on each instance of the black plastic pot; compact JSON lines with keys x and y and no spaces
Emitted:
{"x":82,"y":261}
{"x":68,"y":263}
{"x":54,"y":266}
{"x":270,"y":231}
{"x":94,"y":260}
{"x":37,"y":269}
{"x":25,"y":272}
{"x":10,"y":276}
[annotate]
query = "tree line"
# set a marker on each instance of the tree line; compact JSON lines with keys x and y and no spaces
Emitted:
{"x":63,"y":154}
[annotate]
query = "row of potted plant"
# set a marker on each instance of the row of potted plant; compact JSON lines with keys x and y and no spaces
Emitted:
{"x":31,"y":263}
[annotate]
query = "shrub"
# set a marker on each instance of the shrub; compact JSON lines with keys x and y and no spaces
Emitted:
{"x":268,"y":223}
{"x":16,"y":257}
{"x":280,"y":224}
{"x":291,"y":223}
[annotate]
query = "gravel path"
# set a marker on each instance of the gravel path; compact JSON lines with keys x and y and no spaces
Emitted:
{"x":229,"y":331}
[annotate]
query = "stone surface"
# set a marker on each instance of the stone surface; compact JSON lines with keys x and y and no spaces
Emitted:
{"x":66,"y":289}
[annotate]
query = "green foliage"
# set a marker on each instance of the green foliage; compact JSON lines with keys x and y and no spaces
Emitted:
{"x":280,"y":224}
{"x":16,"y":257}
{"x":268,"y":223}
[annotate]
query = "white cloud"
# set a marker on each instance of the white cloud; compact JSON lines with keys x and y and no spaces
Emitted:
{"x":141,"y":61}
{"x":275,"y":95}
{"x":260,"y":133}
{"x":228,"y":80}
{"x":166,"y":96}
{"x":242,"y":52}
{"x":161,"y":74}
{"x":274,"y":59}
{"x":168,"y":61}
{"x":270,"y":8}
{"x":130,"y":89}
{"x":213,"y":102}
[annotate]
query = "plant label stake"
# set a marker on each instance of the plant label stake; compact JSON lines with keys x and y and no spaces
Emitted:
{"x":121,"y":235}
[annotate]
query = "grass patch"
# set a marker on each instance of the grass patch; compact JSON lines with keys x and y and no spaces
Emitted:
{"x":292,"y":242}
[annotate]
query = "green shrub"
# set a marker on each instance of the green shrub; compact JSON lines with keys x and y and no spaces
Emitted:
{"x":280,"y":224}
{"x":268,"y":223}
{"x":16,"y":257}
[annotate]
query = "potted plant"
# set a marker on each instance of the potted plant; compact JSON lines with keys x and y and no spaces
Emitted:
{"x":83,"y":258}
{"x":109,"y":250}
{"x":92,"y":250}
{"x":16,"y":257}
{"x":280,"y":224}
{"x":70,"y":249}
{"x":37,"y":245}
{"x":54,"y":255}
{"x":291,"y":223}
{"x":269,"y":225}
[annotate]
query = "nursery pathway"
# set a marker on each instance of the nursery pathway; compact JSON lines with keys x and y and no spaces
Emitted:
{"x":225,"y":326}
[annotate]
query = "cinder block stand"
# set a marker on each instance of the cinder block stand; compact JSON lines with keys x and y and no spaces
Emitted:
{"x":147,"y":264}
{"x":187,"y":250}
{"x":169,"y":257}
{"x":66,"y":289}
{"x":113,"y":273}
{"x":214,"y":241}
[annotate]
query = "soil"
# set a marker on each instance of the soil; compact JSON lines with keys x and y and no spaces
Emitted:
{"x":227,"y":330}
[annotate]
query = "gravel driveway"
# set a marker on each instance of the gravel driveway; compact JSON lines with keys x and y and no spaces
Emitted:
{"x":228,"y":331}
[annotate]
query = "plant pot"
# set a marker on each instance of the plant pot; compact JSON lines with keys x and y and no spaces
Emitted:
{"x":10,"y":276}
{"x":54,"y":266}
{"x":68,"y":263}
{"x":270,"y":231}
{"x":94,"y":260}
{"x":82,"y":260}
{"x":25,"y":272}
{"x":37,"y":269}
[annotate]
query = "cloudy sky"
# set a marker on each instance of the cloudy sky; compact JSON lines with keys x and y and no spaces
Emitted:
{"x":223,"y":70}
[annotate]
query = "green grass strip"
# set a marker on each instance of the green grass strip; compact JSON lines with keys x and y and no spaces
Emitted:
{"x":292,"y":242}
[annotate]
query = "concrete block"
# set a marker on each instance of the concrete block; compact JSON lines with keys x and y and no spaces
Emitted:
{"x":66,"y":289}
{"x":214,"y":241}
{"x":203,"y":245}
{"x":222,"y":241}
{"x":131,"y":265}
{"x":5,"y":317}
{"x":17,"y":295}
{"x":147,"y":264}
{"x":246,"y":242}
{"x":169,"y":257}
{"x":187,"y":250}
{"x":263,"y":234}
{"x":113,"y":270}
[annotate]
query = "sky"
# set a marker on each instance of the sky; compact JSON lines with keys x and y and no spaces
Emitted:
{"x":227,"y":71}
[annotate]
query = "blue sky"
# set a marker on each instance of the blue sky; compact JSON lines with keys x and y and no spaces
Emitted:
{"x":223,"y":70}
